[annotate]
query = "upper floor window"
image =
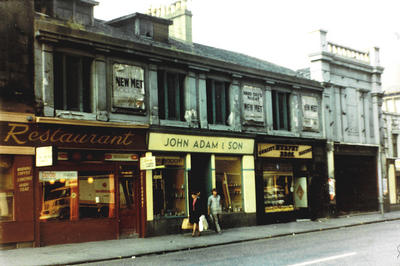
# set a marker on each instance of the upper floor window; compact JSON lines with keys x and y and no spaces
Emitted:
{"x":217,"y":102}
{"x":281,"y":110}
{"x":171,"y":95}
{"x":72,"y":83}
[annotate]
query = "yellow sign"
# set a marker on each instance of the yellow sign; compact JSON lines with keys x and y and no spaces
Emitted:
{"x":284,"y":151}
{"x":187,"y":143}
{"x":397,"y":164}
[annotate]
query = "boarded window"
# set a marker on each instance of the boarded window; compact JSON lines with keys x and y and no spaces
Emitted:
{"x":217,"y":102}
{"x":171,"y":95}
{"x":72,"y":86}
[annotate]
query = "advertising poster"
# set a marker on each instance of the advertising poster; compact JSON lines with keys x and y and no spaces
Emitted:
{"x":253,"y":102}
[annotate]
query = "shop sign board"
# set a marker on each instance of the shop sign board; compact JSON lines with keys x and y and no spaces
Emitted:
{"x":148,"y":163}
{"x":24,"y":178}
{"x":189,"y":143}
{"x":26,"y":134}
{"x":253,"y":102}
{"x":46,"y":176}
{"x":128,"y":87}
{"x":44,"y":156}
{"x":284,"y":151}
{"x":121,"y":157}
{"x":310,"y":113}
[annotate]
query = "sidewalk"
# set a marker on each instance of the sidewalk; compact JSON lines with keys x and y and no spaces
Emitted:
{"x":126,"y":248}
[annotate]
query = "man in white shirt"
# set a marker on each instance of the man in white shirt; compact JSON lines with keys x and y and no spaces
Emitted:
{"x":214,"y":209}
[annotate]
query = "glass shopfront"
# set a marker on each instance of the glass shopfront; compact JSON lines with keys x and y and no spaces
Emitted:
{"x":169,"y":187}
{"x":229,"y":182}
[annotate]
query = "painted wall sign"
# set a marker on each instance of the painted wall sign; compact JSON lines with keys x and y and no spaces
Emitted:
{"x":253,"y":104}
{"x":188,"y":143}
{"x":19,"y":134}
{"x":44,"y":156}
{"x":284,"y":151}
{"x":310,"y":113}
{"x":128,"y":87}
{"x":24,"y":178}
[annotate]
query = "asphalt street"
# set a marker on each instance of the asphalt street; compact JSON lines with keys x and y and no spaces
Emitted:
{"x":371,"y":244}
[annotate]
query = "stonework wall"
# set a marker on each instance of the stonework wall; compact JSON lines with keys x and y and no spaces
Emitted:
{"x":16,"y":68}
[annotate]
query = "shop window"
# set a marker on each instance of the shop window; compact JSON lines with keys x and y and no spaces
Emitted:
{"x":73,"y":195}
{"x":281,"y":110}
{"x":278,"y":188}
{"x":171,"y":95}
{"x":229,"y":182}
{"x":72,"y":86}
{"x":6,"y":188}
{"x":169,"y":193}
{"x":217,"y":102}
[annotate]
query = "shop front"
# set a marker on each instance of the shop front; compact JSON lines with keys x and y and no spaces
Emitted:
{"x":86,"y":180}
{"x":187,"y":163}
{"x":290,"y":181}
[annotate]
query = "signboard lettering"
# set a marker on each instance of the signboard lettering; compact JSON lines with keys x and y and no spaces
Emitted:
{"x":310,"y":113}
{"x":128,"y":87}
{"x":253,"y":102}
{"x":75,"y":136}
{"x":188,"y":143}
{"x":24,"y":178}
{"x":284,"y":151}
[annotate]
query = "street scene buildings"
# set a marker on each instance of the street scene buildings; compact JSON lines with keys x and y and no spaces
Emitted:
{"x":106,"y":127}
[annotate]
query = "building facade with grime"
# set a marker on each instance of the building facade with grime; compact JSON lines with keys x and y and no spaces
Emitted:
{"x":108,"y":126}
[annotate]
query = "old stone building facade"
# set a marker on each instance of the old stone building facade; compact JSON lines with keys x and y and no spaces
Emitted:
{"x":123,"y":119}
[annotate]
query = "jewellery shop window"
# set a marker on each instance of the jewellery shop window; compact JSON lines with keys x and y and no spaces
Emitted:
{"x":278,"y":187}
{"x":6,"y":188}
{"x":73,"y":195}
{"x":169,"y":194}
{"x":229,"y":182}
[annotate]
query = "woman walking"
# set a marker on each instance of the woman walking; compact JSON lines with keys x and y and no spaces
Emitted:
{"x":195,"y":213}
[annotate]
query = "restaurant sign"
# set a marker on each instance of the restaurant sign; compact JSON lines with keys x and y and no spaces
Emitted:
{"x":20,"y":134}
{"x":284,"y":151}
{"x":189,"y":143}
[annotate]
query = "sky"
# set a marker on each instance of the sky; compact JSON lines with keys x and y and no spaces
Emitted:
{"x":278,"y":30}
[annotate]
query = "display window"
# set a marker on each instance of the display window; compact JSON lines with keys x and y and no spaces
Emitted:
{"x":6,"y":188}
{"x":126,"y":184}
{"x":278,"y":187}
{"x":229,"y":182}
{"x":169,"y":187}
{"x":73,"y":195}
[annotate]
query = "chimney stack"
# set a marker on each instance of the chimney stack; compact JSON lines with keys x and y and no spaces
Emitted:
{"x":181,"y":16}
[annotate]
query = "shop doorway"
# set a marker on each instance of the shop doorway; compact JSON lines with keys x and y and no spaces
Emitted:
{"x":129,"y":188}
{"x":200,"y":175}
{"x":356,"y":183}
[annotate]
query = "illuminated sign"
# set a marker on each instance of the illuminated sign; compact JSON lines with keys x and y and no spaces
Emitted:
{"x":284,"y":151}
{"x":188,"y":143}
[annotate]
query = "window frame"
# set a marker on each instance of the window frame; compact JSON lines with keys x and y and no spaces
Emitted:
{"x":281,"y":115}
{"x":215,"y":116}
{"x":12,"y":190}
{"x":164,"y":93}
{"x":87,"y":95}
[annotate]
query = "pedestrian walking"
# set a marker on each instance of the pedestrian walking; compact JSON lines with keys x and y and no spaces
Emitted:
{"x":195,"y":213}
{"x":214,"y":209}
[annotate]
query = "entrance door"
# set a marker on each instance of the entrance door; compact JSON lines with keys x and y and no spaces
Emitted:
{"x":200,"y":175}
{"x":128,"y":200}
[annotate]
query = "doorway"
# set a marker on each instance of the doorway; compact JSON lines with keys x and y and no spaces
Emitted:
{"x":129,"y":185}
{"x":200,"y":175}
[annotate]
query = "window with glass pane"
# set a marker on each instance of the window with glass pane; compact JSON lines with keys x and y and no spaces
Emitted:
{"x":217,"y":102}
{"x":6,"y":188}
{"x":169,"y":193}
{"x":126,"y":186}
{"x":280,"y":110}
{"x":72,"y":86}
{"x":229,"y":182}
{"x":96,"y":194}
{"x":278,"y":191}
{"x":171,"y":95}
